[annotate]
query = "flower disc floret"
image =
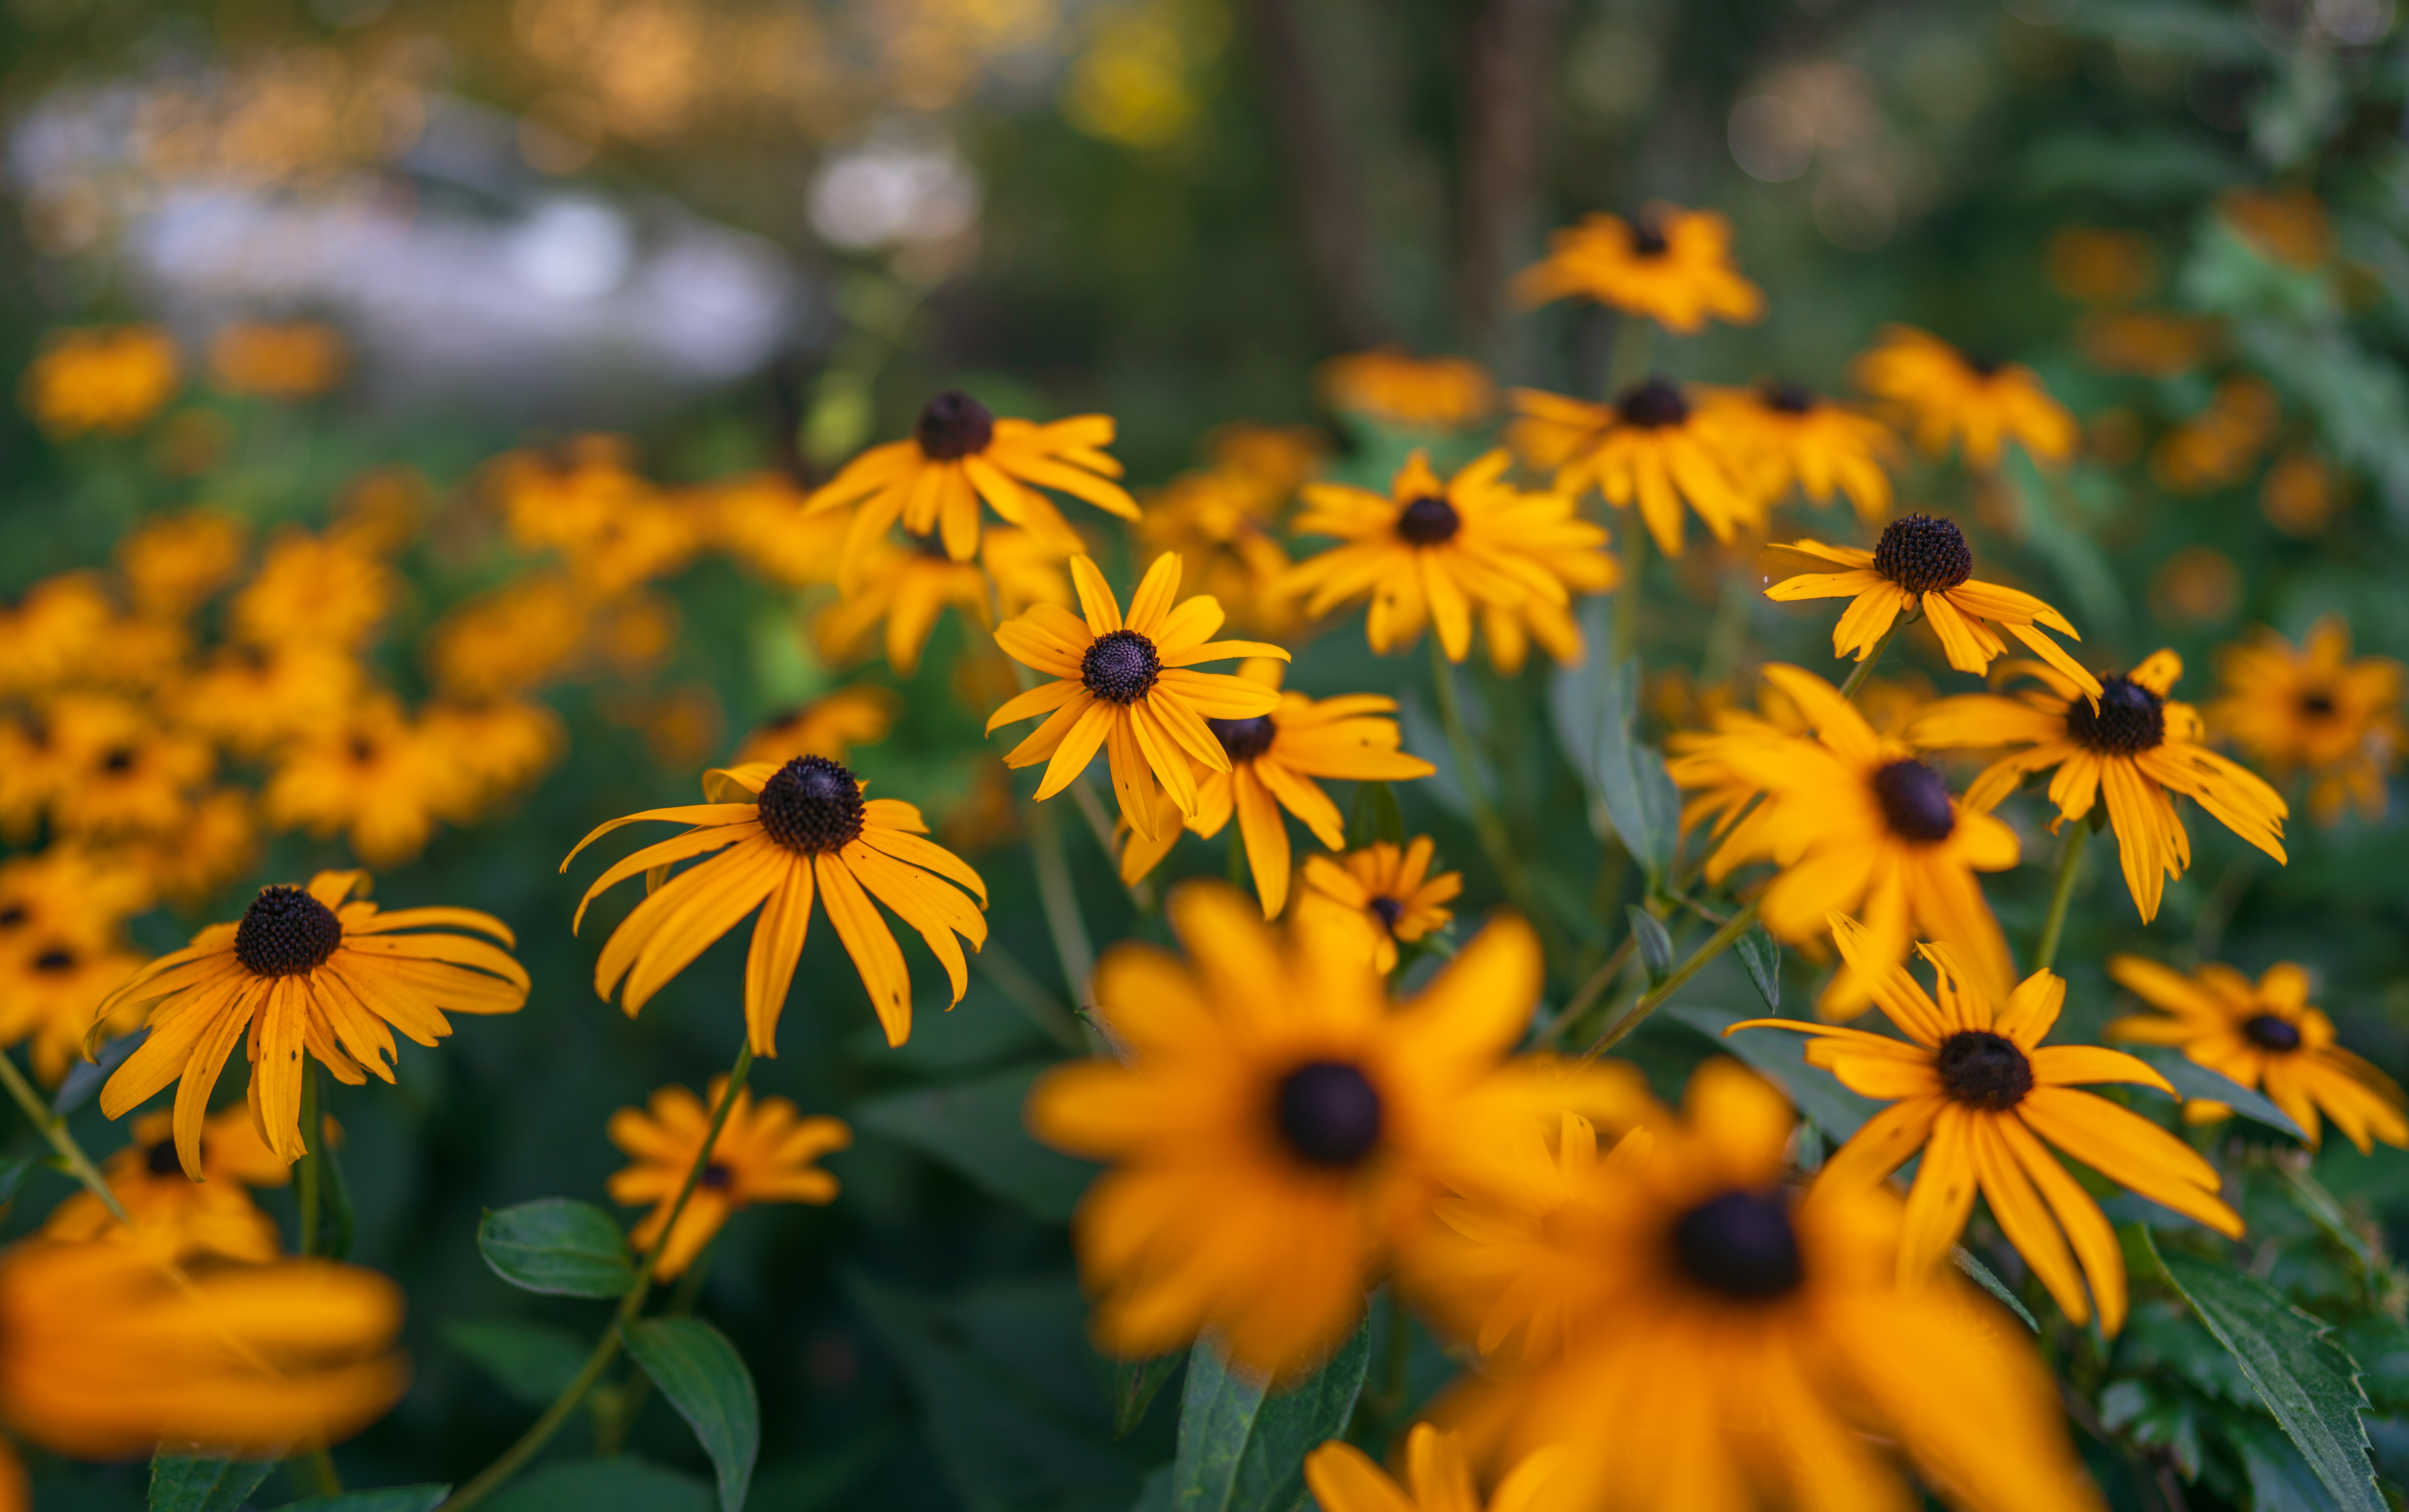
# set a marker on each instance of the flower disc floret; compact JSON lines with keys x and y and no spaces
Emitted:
{"x":1120,"y":667}
{"x":1428,"y":521}
{"x":2131,"y":719}
{"x":812,"y":805}
{"x":1245,"y":739}
{"x":1914,"y":801}
{"x":1327,"y":1113}
{"x":1984,"y":1070}
{"x":954,"y":425}
{"x":1653,"y":405}
{"x":1741,"y":1246}
{"x":1924,"y":553}
{"x":286,"y":932}
{"x":2270,"y":1032}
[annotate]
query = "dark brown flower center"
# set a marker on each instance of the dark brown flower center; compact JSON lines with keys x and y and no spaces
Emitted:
{"x":1740,"y":1246}
{"x":2269,"y":1032}
{"x":12,"y":915}
{"x":953,"y":426}
{"x":1983,"y":365}
{"x":717,"y":1177}
{"x":1647,"y":240}
{"x":363,"y":750}
{"x":160,"y":1160}
{"x":812,"y":805}
{"x":2318,"y":705}
{"x":1390,"y":910}
{"x":1984,"y":1071}
{"x":120,"y":758}
{"x":1428,"y":521}
{"x":1245,"y":739}
{"x":2131,"y":719}
{"x":1653,"y":405}
{"x":285,"y":932}
{"x":1924,"y":553}
{"x":1119,"y":667}
{"x":1789,"y":399}
{"x":1327,"y":1113}
{"x":1914,"y":801}
{"x":56,"y":961}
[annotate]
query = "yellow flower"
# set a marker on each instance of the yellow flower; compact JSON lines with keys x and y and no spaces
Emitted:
{"x":253,"y":699}
{"x":1277,"y":1125}
{"x":1386,"y":891}
{"x":2219,"y":446}
{"x":174,"y":1216}
{"x":1787,"y":435}
{"x":217,"y":843}
{"x":1396,"y":388}
{"x":2147,"y":343}
{"x":1650,"y":446}
{"x":370,"y":776}
{"x":2314,"y":709}
{"x":109,"y":377}
{"x":960,"y":454}
{"x":1859,"y":826}
{"x":828,"y":727}
{"x":908,"y":586}
{"x":52,"y":983}
{"x":1673,"y":266}
{"x":1923,"y":562}
{"x":1126,"y":686}
{"x":1974,"y":1090}
{"x":71,"y":892}
{"x":568,"y":499}
{"x":1221,"y":522}
{"x":1696,"y":1335}
{"x":314,"y":588}
{"x":783,"y":835}
{"x":1436,"y":552}
{"x":292,"y":360}
{"x":764,"y":1155}
{"x":123,"y":773}
{"x":173,"y":563}
{"x":2133,"y":748}
{"x":513,"y":640}
{"x":1978,"y":401}
{"x":2266,"y":1036}
{"x":49,"y":637}
{"x":760,"y":522}
{"x":483,"y":753}
{"x":1344,"y":1478}
{"x":304,"y":971}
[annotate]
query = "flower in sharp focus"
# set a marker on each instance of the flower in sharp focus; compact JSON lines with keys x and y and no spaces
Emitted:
{"x":2265,"y":1035}
{"x":1396,"y":388}
{"x":1698,"y":1334}
{"x":107,"y":379}
{"x":1345,"y":1479}
{"x":1278,"y":1125}
{"x":313,"y":970}
{"x":172,"y":564}
{"x":2132,"y":749}
{"x":1785,"y":434}
{"x":1386,"y":891}
{"x":959,"y":455}
{"x":178,"y":1216}
{"x":764,"y":1155}
{"x":1980,"y":403}
{"x":784,"y":836}
{"x":1673,"y":266}
{"x":1436,"y":552}
{"x":1922,"y":562}
{"x":1127,"y":687}
{"x":1651,"y":446}
{"x":1973,"y":1088}
{"x":1859,"y":826}
{"x":829,"y":725}
{"x":2314,"y":709}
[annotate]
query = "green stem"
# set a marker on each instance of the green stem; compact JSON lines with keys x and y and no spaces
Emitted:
{"x":309,"y":1183}
{"x":1625,"y":644}
{"x":631,"y":1303}
{"x":322,"y":1463}
{"x":1590,"y":990}
{"x":1653,"y":998}
{"x":1485,"y":822}
{"x":54,"y":1129}
{"x":1627,"y":360}
{"x":2070,"y":863}
{"x":1873,"y":659}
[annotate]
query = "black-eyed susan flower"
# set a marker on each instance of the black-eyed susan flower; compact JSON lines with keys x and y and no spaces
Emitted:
{"x":1277,"y":1124}
{"x":1788,"y":436}
{"x":1696,"y":1333}
{"x":176,"y":1216}
{"x":959,"y":455}
{"x":829,"y":725}
{"x":904,"y":587}
{"x":2314,"y":709}
{"x":1857,"y":826}
{"x":2266,"y":1036}
{"x":49,"y":636}
{"x":567,"y":498}
{"x":764,"y":1153}
{"x":1974,"y":1090}
{"x":109,"y":377}
{"x":52,"y":983}
{"x":314,"y":588}
{"x":1650,"y":447}
{"x":122,"y":772}
{"x":1673,"y":266}
{"x":2132,"y":750}
{"x":1922,"y":562}
{"x":252,"y":699}
{"x":1438,"y":1478}
{"x":1128,"y":687}
{"x":316,"y":971}
{"x":1386,"y":891}
{"x":1979,"y":402}
{"x":172,"y":564}
{"x":1222,"y":521}
{"x":513,"y":640}
{"x":1397,"y":388}
{"x":482,"y":752}
{"x":369,"y":776}
{"x":1433,"y":552}
{"x":758,"y":518}
{"x":784,"y":836}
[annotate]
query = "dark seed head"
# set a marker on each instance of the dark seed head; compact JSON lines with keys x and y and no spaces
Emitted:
{"x":1245,"y":739}
{"x":119,"y":758}
{"x":55,"y":959}
{"x":717,"y":1177}
{"x":160,"y":1160}
{"x":2131,"y":719}
{"x":285,"y":932}
{"x":1652,"y":405}
{"x":1740,"y":1246}
{"x":1914,"y":801}
{"x":1790,"y":398}
{"x":2318,"y":705}
{"x":1327,"y":1113}
{"x":1984,"y":1071}
{"x":953,"y":426}
{"x":1428,"y":521}
{"x":1121,"y":665}
{"x":12,"y":915}
{"x":1983,"y":365}
{"x":1924,"y":553}
{"x":1391,"y":910}
{"x":2269,"y":1032}
{"x":811,"y":805}
{"x":363,"y":750}
{"x":1645,"y":241}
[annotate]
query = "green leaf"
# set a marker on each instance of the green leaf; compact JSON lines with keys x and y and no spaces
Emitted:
{"x":194,"y":1483}
{"x":1779,"y":1054}
{"x":1374,"y":816}
{"x":555,"y":1246}
{"x":533,"y":1362}
{"x":14,"y":1169}
{"x":84,"y":1077}
{"x":974,"y":1128}
{"x":820,"y":1481}
{"x":2304,"y":1378}
{"x":1655,"y":945}
{"x":705,"y":1379}
{"x":2194,"y":1080}
{"x":386,"y":1499}
{"x":620,"y":1484}
{"x":1980,"y":1276}
{"x":1136,"y":1385}
{"x":1242,"y":1448}
{"x":1762,"y":957}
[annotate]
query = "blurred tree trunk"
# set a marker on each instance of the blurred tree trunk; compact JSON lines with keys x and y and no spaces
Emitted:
{"x":1328,"y":207}
{"x":1509,"y":59}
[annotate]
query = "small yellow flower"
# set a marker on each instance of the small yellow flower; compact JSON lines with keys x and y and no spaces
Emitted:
{"x":1787,"y":436}
{"x":292,"y":360}
{"x":1388,"y":892}
{"x":176,"y":1216}
{"x":1344,"y":1478}
{"x":829,"y":725}
{"x":52,"y":983}
{"x":1650,"y":447}
{"x":906,"y":587}
{"x":513,"y":640}
{"x":314,"y":588}
{"x":108,"y":379}
{"x":370,"y":776}
{"x":764,"y":1153}
{"x":1673,"y":265}
{"x":2314,"y":709}
{"x":1396,"y":388}
{"x":1978,"y":401}
{"x":253,"y":700}
{"x":173,"y":563}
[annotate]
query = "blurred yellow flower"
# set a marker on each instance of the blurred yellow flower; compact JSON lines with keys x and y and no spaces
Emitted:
{"x":2100,"y":267}
{"x":1345,"y":1479}
{"x":2288,"y":226}
{"x":759,"y":520}
{"x":2147,"y":343}
{"x":510,"y":640}
{"x":288,"y":360}
{"x":367,"y":775}
{"x":2314,"y":709}
{"x":829,"y":726}
{"x":2299,"y":495}
{"x":764,"y":1153}
{"x":122,"y":772}
{"x":1396,"y":388}
{"x":104,"y":378}
{"x":253,"y":699}
{"x":483,"y":752}
{"x":175,"y":1216}
{"x":906,"y":587}
{"x":314,"y":588}
{"x":1650,"y":447}
{"x":1387,"y":892}
{"x":217,"y":843}
{"x":1778,"y":436}
{"x":1673,"y":265}
{"x":172,"y":564}
{"x":52,"y":983}
{"x":2219,"y":446}
{"x":1980,"y":403}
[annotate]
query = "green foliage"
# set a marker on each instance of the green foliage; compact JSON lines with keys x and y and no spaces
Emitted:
{"x":388,"y":1499}
{"x":181,"y":1483}
{"x":533,"y":1362}
{"x":558,"y":1245}
{"x":1242,"y":1445}
{"x":704,"y":1377}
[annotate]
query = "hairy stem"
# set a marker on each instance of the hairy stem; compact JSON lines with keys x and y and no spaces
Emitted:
{"x":2069,"y":863}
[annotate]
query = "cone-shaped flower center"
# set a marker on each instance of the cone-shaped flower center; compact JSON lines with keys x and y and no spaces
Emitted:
{"x":1740,"y":1245}
{"x":2269,"y":1032}
{"x":1428,"y":521}
{"x":1924,"y":553}
{"x":160,"y":1160}
{"x":2318,"y":705}
{"x":1789,"y":399}
{"x":717,"y":1177}
{"x":285,"y":932}
{"x":953,"y":426}
{"x":1327,"y":1113}
{"x":1914,"y":801}
{"x":1652,"y":405}
{"x":1245,"y":739}
{"x":1121,"y":665}
{"x":1984,"y":1070}
{"x":2131,"y":719}
{"x":812,"y":805}
{"x":1391,"y":910}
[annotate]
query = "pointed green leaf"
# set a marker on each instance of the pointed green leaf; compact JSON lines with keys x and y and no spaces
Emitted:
{"x":2194,"y":1080}
{"x":1762,"y":957}
{"x":705,"y":1379}
{"x":555,"y":1246}
{"x":1980,"y":1276}
{"x":1655,"y":945}
{"x":1241,"y":1449}
{"x":1136,"y":1385}
{"x":387,"y":1499}
{"x":201,"y":1483}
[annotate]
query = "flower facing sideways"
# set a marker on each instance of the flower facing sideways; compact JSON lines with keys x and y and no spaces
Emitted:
{"x":1673,"y":266}
{"x":1345,"y":1479}
{"x":764,"y":1153}
{"x":1397,"y":388}
{"x":172,"y":1213}
{"x":1650,"y":447}
{"x":1385,"y":892}
{"x":1787,"y":435}
{"x":1950,"y":395}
